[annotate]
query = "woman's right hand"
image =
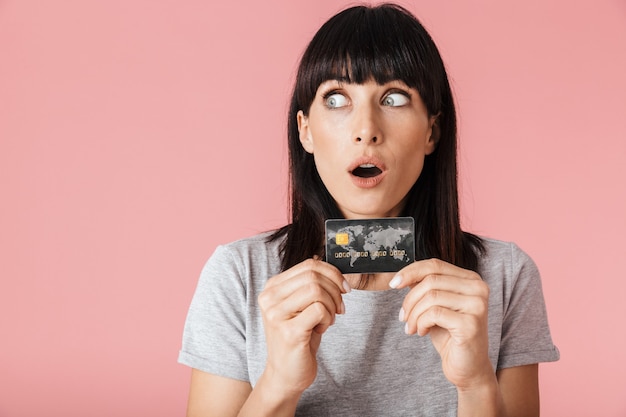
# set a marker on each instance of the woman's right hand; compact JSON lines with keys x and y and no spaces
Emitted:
{"x":298,"y":306}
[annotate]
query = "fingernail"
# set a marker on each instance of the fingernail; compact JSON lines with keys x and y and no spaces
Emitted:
{"x":346,"y":286}
{"x":401,"y":315}
{"x":343,"y":308}
{"x":406,"y":328}
{"x":395,"y":281}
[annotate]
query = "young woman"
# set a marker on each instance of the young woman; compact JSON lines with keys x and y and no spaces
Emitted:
{"x":273,"y":330}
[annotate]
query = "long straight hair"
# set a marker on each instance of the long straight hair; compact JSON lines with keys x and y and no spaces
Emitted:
{"x":382,"y":43}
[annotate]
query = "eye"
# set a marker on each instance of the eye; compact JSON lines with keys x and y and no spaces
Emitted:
{"x":335,"y":100}
{"x":395,"y":100}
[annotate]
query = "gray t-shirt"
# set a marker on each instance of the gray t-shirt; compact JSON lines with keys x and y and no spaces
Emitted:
{"x":367,"y":365}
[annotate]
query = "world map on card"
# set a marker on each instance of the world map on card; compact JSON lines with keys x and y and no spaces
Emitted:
{"x":370,"y":245}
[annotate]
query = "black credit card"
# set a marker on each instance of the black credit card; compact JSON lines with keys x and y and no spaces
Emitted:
{"x":370,"y":245}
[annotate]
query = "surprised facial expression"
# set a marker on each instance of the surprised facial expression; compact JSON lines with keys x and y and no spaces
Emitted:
{"x":369,"y":142}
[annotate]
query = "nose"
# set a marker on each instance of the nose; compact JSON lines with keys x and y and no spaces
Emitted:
{"x":366,"y":125}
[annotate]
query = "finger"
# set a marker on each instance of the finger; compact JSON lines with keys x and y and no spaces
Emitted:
{"x":454,"y":322}
{"x":314,"y":264}
{"x":417,"y":271}
{"x":313,"y":284}
{"x":434,"y":285}
{"x":315,"y":317}
{"x":321,"y":267}
{"x":462,"y":304}
{"x":302,"y":298}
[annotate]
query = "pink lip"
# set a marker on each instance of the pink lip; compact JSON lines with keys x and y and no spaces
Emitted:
{"x":367,"y":182}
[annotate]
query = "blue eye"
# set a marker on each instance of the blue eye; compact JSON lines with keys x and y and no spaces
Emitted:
{"x":335,"y":100}
{"x":395,"y":100}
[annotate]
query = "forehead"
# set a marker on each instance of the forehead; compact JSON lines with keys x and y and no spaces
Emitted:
{"x":343,"y":83}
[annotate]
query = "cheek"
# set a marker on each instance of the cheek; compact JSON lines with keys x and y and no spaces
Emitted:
{"x":326,"y":163}
{"x":410,"y":164}
{"x":411,"y":169}
{"x":328,"y":143}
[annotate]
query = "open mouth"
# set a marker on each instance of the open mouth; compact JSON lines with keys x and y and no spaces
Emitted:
{"x":366,"y":171}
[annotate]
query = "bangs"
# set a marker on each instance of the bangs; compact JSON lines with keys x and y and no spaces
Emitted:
{"x":362,"y":44}
{"x":382,"y":43}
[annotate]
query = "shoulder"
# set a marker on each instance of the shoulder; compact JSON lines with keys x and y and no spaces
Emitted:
{"x":505,"y":266}
{"x":511,"y":274}
{"x":250,"y":243}
{"x":260,"y":246}
{"x":253,"y":258}
{"x":502,"y":255}
{"x":519,"y":330}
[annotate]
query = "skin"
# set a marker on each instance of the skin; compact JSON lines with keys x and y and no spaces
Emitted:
{"x":389,"y":123}
{"x":362,"y":123}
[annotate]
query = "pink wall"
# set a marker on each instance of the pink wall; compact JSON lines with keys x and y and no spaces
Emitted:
{"x":119,"y":125}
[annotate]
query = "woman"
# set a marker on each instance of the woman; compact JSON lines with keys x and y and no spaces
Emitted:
{"x":273,"y":330}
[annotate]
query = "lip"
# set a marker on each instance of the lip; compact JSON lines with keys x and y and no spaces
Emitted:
{"x":370,"y":182}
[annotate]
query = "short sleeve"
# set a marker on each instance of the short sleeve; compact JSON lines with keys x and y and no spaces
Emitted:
{"x":526,"y":335}
{"x":214,"y":337}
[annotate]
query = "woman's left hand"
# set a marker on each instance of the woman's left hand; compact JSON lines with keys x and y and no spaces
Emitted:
{"x":450,"y":304}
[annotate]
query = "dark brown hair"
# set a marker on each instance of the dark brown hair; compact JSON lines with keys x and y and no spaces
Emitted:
{"x":382,"y":43}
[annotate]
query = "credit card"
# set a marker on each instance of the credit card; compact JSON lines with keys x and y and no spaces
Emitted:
{"x":368,"y":246}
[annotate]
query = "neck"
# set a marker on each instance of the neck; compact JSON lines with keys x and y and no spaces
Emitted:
{"x":370,"y":282}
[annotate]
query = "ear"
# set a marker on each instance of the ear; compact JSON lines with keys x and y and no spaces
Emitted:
{"x":435,"y":134}
{"x":305,"y":133}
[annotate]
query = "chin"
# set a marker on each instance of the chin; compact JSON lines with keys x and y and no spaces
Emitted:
{"x":357,"y":213}
{"x":369,"y":205}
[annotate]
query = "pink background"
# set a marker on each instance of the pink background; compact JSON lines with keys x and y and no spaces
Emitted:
{"x":137,"y":135}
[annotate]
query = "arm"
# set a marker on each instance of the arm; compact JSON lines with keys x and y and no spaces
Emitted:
{"x":215,"y":396}
{"x":520,"y":390}
{"x":297,"y":306}
{"x":212,"y":395}
{"x":450,"y":304}
{"x":513,"y":393}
